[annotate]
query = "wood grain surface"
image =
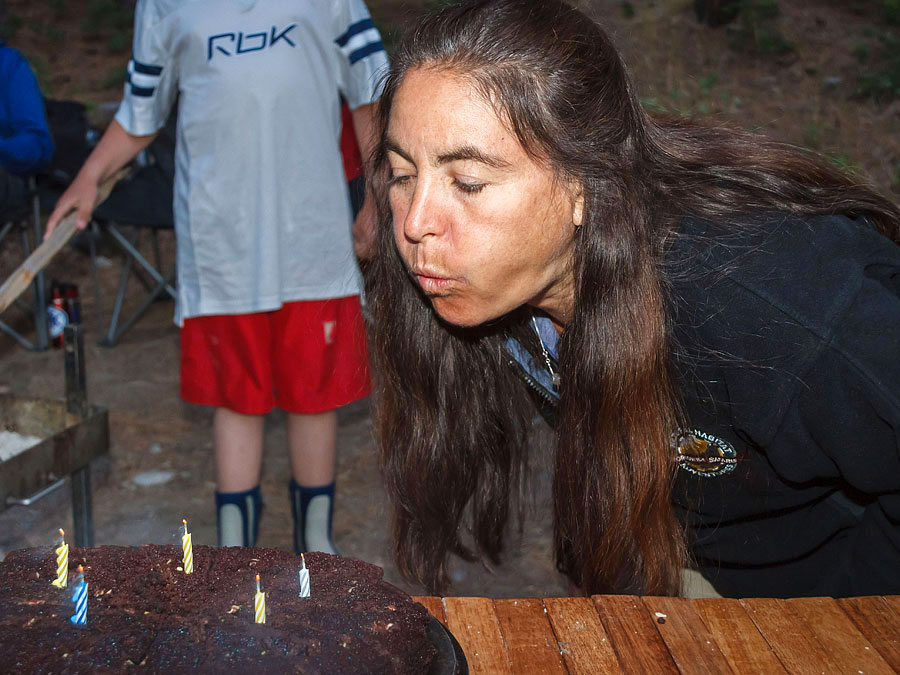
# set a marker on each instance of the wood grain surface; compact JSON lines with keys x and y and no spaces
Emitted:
{"x":630,"y":634}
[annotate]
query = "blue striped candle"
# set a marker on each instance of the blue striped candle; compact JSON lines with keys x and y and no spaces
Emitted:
{"x":80,"y":598}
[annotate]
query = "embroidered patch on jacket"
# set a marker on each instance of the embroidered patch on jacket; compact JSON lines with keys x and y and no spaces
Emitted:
{"x":703,"y":454}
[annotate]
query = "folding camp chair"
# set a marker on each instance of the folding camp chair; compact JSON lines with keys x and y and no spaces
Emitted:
{"x":142,"y":203}
{"x":72,"y":137}
{"x":29,"y":219}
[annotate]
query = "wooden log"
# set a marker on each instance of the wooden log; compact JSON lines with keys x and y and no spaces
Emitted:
{"x":790,"y":638}
{"x":742,"y":644}
{"x":530,"y":642}
{"x":584,"y":644}
{"x":875,"y":619}
{"x":692,"y":646}
{"x":633,"y":634}
{"x":475,"y":625}
{"x":18,"y":281}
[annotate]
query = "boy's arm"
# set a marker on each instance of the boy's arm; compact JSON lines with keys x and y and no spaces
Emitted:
{"x":116,"y":148}
{"x":364,"y":225}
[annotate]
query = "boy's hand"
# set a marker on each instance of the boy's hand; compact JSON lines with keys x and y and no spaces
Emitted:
{"x":80,"y":197}
{"x":116,"y":148}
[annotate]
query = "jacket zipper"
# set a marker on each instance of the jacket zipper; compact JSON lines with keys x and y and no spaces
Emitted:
{"x":540,"y":389}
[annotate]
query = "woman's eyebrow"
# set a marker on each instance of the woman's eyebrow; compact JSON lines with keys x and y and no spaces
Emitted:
{"x":471,"y":153}
{"x":391,"y":146}
{"x":464,"y":153}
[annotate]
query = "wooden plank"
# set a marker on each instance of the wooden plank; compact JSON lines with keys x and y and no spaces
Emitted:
{"x":737,"y":636}
{"x":530,"y":642}
{"x":893,"y":601}
{"x":875,"y":619}
{"x":433,"y":605}
{"x":839,"y":636}
{"x":793,"y":642}
{"x":18,"y":281}
{"x":691,"y":645}
{"x":475,"y":625}
{"x":633,"y":634}
{"x":582,"y":641}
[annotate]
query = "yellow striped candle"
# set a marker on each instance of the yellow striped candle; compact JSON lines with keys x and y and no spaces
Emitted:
{"x":259,"y":604}
{"x":62,"y":561}
{"x":187,"y":549}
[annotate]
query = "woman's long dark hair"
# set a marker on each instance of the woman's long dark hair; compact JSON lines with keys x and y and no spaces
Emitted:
{"x":451,"y":415}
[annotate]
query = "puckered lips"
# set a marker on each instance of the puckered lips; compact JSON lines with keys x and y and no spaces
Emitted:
{"x":433,"y":281}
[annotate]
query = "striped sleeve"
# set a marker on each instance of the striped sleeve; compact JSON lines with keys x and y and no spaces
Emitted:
{"x":151,"y":82}
{"x":143,"y":78}
{"x":363,"y":61}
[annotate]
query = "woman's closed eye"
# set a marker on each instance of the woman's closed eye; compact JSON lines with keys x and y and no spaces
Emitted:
{"x":399,"y":179}
{"x":468,"y":185}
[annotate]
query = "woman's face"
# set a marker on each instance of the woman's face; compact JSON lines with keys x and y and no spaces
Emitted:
{"x":482,"y":227}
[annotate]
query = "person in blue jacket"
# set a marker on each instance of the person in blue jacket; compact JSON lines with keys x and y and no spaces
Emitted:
{"x":25,"y":142}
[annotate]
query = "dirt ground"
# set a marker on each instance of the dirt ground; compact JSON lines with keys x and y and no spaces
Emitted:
{"x":804,"y":96}
{"x":152,"y":430}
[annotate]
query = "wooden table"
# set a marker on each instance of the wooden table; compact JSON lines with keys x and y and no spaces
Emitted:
{"x":611,"y":634}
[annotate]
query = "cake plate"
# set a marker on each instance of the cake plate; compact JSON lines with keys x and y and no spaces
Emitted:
{"x":450,"y":659}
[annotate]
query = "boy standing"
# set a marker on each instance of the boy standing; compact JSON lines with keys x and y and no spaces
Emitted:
{"x":268,"y":292}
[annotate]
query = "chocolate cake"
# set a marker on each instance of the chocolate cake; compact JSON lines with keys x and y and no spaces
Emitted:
{"x":145,"y":614}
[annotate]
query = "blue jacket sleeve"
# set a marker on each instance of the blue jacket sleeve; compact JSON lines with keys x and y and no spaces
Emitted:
{"x":25,"y":142}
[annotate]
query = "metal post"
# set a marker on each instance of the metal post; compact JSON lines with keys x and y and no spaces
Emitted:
{"x":82,"y":514}
{"x":76,"y":383}
{"x":76,"y":404}
{"x":40,"y":289}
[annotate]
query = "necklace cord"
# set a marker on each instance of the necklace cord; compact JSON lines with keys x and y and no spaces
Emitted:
{"x":554,"y":376}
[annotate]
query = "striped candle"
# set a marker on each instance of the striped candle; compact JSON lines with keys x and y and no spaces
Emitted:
{"x":187,"y":550}
{"x":303,"y":574}
{"x":80,"y":598}
{"x":62,"y":562}
{"x":259,"y":604}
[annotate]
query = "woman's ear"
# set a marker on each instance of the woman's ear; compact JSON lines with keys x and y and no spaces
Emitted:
{"x":577,"y":204}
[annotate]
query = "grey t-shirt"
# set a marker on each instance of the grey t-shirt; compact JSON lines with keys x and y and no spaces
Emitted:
{"x":261,"y":205}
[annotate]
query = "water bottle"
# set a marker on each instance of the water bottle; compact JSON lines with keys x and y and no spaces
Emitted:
{"x":57,"y":318}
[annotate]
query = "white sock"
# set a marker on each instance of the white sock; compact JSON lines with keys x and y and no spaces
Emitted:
{"x":316,"y":533}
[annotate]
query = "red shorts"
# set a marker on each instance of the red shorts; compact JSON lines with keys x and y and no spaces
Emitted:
{"x":307,"y":357}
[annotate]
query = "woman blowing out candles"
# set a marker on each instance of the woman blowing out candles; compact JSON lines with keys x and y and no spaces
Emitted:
{"x":710,"y":321}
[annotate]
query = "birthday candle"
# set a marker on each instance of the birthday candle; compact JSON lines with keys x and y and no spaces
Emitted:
{"x":259,"y":604}
{"x":62,"y":561}
{"x":304,"y":578}
{"x":80,"y":598}
{"x":187,"y":549}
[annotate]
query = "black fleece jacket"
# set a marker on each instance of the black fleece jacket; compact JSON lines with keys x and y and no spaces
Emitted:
{"x":786,"y":346}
